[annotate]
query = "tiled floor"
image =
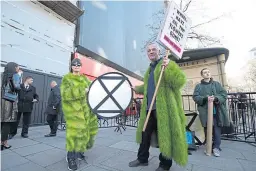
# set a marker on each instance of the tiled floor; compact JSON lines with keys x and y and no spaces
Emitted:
{"x":112,"y":152}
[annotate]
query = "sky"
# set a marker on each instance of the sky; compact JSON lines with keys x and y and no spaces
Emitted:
{"x":236,"y":30}
{"x":124,"y":25}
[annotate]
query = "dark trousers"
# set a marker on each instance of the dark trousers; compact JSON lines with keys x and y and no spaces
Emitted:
{"x":143,"y":153}
{"x":25,"y":126}
{"x":52,"y":121}
{"x":5,"y":129}
{"x":74,"y":155}
{"x":216,"y":134}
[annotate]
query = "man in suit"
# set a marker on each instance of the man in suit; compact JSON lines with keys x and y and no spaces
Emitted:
{"x":53,"y":108}
{"x":27,"y":96}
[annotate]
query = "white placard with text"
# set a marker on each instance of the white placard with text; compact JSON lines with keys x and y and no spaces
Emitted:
{"x":174,"y":32}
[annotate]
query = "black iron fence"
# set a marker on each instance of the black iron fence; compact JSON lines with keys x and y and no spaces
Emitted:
{"x":120,"y":122}
{"x":241,"y":111}
{"x":242,"y":114}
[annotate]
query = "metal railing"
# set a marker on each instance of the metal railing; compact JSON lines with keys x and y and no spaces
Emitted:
{"x":120,"y":122}
{"x":241,"y":111}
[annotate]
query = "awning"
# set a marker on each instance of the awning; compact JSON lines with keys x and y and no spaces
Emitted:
{"x":197,"y":54}
{"x":65,"y":9}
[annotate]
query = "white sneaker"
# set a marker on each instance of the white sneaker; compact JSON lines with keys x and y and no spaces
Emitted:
{"x":216,"y":152}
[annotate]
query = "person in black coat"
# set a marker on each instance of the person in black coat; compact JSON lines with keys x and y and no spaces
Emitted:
{"x":27,"y":96}
{"x":53,"y":108}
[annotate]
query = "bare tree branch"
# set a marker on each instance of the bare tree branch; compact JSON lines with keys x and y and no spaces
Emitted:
{"x":250,"y":77}
{"x":186,"y":6}
{"x":158,"y":18}
{"x":207,"y":22}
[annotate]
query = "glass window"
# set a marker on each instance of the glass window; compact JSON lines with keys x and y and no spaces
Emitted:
{"x":118,"y":31}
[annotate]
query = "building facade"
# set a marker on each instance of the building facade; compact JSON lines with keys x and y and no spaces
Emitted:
{"x":39,"y":36}
{"x":119,"y":31}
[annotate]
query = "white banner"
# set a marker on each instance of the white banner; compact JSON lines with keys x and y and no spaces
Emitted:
{"x":174,"y":32}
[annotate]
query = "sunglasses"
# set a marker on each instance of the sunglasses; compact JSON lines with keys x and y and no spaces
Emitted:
{"x":77,"y":65}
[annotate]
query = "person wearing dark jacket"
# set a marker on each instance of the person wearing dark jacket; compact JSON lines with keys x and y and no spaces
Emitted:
{"x":242,"y":105}
{"x":27,"y":96}
{"x":53,"y":108}
{"x":10,"y":85}
{"x":213,"y":89}
{"x":138,"y":106}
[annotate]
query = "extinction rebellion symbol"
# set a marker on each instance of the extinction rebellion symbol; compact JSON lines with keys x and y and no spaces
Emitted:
{"x":110,"y":95}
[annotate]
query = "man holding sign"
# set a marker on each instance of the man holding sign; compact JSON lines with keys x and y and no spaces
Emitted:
{"x":166,"y":124}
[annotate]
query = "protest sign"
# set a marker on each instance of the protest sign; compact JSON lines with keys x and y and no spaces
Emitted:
{"x":175,"y":29}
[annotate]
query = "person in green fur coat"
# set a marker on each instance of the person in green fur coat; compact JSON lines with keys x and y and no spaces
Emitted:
{"x":167,"y":122}
{"x":81,"y":123}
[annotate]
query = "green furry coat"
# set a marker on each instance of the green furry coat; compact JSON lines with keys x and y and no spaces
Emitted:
{"x":81,"y":123}
{"x":171,"y":121}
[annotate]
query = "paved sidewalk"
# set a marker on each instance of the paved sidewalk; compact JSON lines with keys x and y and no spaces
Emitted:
{"x":112,"y":152}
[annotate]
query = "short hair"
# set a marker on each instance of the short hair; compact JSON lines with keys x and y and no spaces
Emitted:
{"x":154,"y":43}
{"x":203,"y":70}
{"x":53,"y":82}
{"x":28,"y":77}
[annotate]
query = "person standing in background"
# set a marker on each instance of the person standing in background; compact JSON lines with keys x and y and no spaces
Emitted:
{"x":53,"y":108}
{"x":27,"y":96}
{"x":10,"y":85}
{"x":138,"y":105}
{"x":242,"y":105}
{"x":208,"y":88}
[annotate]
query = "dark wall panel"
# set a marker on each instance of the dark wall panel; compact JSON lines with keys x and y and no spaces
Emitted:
{"x":42,"y":84}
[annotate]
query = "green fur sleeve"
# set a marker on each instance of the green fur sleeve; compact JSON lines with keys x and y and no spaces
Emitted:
{"x":174,"y":75}
{"x":139,"y":89}
{"x":70,"y":91}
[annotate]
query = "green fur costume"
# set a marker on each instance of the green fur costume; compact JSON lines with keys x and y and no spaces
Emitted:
{"x":81,"y":123}
{"x":171,"y":120}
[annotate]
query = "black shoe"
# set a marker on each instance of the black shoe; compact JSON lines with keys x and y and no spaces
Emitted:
{"x":24,"y":135}
{"x":81,"y":157}
{"x":50,"y":135}
{"x":137,"y":163}
{"x":3,"y":147}
{"x":161,"y":169}
{"x":72,"y":164}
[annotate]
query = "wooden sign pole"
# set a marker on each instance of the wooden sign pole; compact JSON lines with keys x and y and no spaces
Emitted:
{"x":155,"y":93}
{"x":209,"y":127}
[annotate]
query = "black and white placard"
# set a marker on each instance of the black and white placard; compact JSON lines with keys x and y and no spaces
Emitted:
{"x":110,"y":95}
